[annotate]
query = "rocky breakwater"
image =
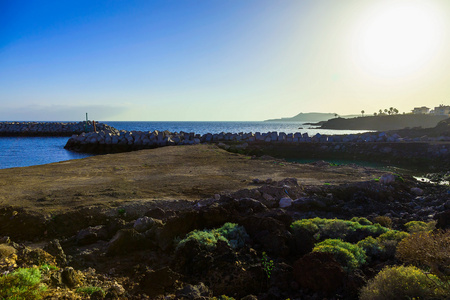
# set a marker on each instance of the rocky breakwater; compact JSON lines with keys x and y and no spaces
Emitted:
{"x":377,"y":146}
{"x":50,"y":128}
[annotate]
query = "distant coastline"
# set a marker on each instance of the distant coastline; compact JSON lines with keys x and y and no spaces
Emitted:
{"x":309,"y":117}
{"x":382,"y":123}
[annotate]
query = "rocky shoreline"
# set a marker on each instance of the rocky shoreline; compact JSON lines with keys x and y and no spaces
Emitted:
{"x":33,"y":129}
{"x":131,"y":252}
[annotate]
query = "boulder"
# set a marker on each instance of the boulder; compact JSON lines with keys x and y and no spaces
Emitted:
{"x":143,"y":224}
{"x":91,"y":235}
{"x":285,"y":202}
{"x":387,"y":178}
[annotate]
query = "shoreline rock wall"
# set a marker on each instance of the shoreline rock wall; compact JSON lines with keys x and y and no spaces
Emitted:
{"x":50,"y":128}
{"x":152,"y":139}
{"x":373,"y":146}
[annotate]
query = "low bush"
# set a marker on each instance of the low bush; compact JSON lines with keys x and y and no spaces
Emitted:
{"x":23,"y":283}
{"x":89,"y":290}
{"x":350,"y":256}
{"x":230,"y":233}
{"x":335,"y":228}
{"x":361,"y":220}
{"x":417,"y":226}
{"x":393,"y":235}
{"x":371,"y":246}
{"x":401,"y":282}
{"x":235,"y":234}
{"x":383,"y":221}
{"x":429,"y":250}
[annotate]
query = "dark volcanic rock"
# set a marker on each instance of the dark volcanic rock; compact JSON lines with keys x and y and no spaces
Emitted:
{"x":443,"y":220}
{"x":319,"y":271}
{"x":156,"y":282}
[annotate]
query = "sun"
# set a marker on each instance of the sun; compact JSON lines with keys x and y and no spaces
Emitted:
{"x":397,"y":37}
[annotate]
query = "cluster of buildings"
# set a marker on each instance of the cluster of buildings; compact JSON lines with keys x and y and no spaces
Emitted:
{"x":440,"y":110}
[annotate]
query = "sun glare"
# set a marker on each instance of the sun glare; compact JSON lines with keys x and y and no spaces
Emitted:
{"x":398,"y":38}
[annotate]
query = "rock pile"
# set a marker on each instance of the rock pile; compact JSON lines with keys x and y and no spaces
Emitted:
{"x":50,"y":128}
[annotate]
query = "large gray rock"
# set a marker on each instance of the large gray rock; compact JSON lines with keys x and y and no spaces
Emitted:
{"x":285,"y":202}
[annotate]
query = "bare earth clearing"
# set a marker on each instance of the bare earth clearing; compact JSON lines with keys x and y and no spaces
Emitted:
{"x":169,"y":173}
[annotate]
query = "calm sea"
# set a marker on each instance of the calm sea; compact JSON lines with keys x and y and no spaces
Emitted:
{"x":29,"y":151}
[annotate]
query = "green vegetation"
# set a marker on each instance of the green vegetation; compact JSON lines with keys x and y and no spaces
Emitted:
{"x":89,"y":290}
{"x":267,"y":265}
{"x":361,"y":220}
{"x":235,"y":234}
{"x":336,"y":228}
{"x":350,"y":256}
{"x":390,"y":111}
{"x":401,"y":282}
{"x":23,"y":283}
{"x":222,"y":297}
{"x":230,"y":233}
{"x":393,"y":235}
{"x":47,"y":268}
{"x":417,"y":226}
{"x":371,"y":246}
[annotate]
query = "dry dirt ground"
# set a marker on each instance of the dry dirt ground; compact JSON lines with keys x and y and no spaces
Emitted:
{"x":169,"y":173}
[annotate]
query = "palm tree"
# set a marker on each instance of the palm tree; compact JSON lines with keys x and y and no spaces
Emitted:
{"x":391,"y":110}
{"x":362,"y":113}
{"x":380,"y":112}
{"x":385,"y":110}
{"x":396,"y":111}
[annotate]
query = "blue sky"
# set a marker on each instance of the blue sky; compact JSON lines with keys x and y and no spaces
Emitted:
{"x":215,"y":59}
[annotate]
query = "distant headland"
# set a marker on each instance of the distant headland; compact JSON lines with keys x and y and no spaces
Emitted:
{"x":310,"y":117}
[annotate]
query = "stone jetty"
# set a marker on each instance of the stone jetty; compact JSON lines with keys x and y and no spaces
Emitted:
{"x":50,"y":128}
{"x":377,"y":146}
{"x":152,"y":139}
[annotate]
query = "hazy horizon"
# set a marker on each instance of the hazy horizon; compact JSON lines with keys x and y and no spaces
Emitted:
{"x":201,"y":60}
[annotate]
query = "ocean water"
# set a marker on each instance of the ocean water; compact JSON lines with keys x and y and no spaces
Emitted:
{"x":232,"y":127}
{"x":29,"y":151}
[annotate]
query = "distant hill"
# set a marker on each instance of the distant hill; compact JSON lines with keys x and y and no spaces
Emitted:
{"x":393,"y":122}
{"x":308,"y":117}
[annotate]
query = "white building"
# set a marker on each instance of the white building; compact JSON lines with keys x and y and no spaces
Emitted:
{"x":421,"y":110}
{"x":442,"y":110}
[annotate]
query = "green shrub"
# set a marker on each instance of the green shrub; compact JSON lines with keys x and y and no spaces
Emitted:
{"x":335,"y":228}
{"x":47,"y":267}
{"x":206,"y":238}
{"x":403,"y":283}
{"x":361,"y":220}
{"x":416,"y":226}
{"x":393,"y":235}
{"x":89,"y":290}
{"x":233,"y":234}
{"x":23,"y":283}
{"x":350,"y":256}
{"x":371,"y":246}
{"x":223,"y":297}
